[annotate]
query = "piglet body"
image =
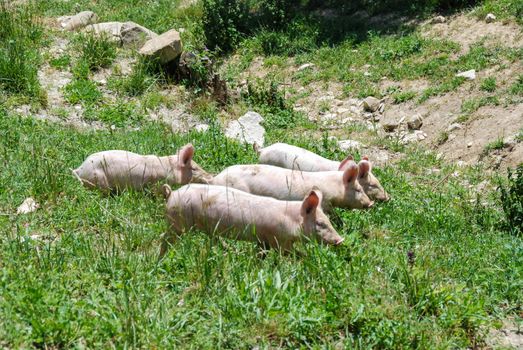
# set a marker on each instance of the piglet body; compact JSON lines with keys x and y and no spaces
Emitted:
{"x":292,"y":157}
{"x":116,"y":169}
{"x":239,"y":215}
{"x":340,"y":189}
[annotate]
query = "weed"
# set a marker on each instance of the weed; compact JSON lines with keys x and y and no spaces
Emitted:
{"x":498,"y":144}
{"x":60,"y":62}
{"x":517,"y":87}
{"x":403,"y":96}
{"x":121,"y":113}
{"x":443,"y":137}
{"x":136,"y":84}
{"x":512,"y":200}
{"x":20,"y":36}
{"x":97,"y":51}
{"x":488,"y":84}
{"x":82,"y":91}
{"x":473,"y":104}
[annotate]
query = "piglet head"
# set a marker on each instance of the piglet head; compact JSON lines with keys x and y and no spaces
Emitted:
{"x":355,"y":196}
{"x":369,"y":182}
{"x":316,"y":224}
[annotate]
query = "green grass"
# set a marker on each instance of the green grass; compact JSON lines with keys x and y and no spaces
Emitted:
{"x":498,"y":144}
{"x":488,"y":84}
{"x":473,"y":104}
{"x":425,"y":270}
{"x":82,"y":91}
{"x":517,"y":87}
{"x":96,"y":51}
{"x":20,"y":40}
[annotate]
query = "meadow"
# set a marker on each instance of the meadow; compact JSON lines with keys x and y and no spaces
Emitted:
{"x":435,"y":267}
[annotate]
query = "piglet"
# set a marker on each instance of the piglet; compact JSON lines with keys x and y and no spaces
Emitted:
{"x":292,"y":157}
{"x":339,"y":188}
{"x":243,"y":216}
{"x":117,"y":170}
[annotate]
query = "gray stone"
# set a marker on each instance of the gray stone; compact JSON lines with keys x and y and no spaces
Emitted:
{"x":470,"y":74}
{"x":78,"y":21}
{"x":390,"y":126}
{"x":453,"y":127}
{"x":166,"y":46}
{"x":133,"y":34}
{"x":439,"y":19}
{"x":247,"y":129}
{"x":489,"y":18}
{"x":371,"y":104}
{"x":305,"y":66}
{"x":415,"y":122}
{"x":110,"y":29}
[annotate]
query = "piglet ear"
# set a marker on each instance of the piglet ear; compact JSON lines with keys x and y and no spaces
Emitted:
{"x":364,"y":167}
{"x":166,"y":190}
{"x":350,"y":174}
{"x":365,"y":158}
{"x":311,"y":202}
{"x":186,"y":154}
{"x":345,"y":162}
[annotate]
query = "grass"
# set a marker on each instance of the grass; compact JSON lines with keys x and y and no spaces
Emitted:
{"x":411,"y":285}
{"x":498,"y":144}
{"x":20,"y":39}
{"x":488,"y":84}
{"x":432,"y":268}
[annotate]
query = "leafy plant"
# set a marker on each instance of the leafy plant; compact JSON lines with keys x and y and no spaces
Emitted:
{"x":517,"y":87}
{"x":82,"y":91}
{"x":512,"y":200}
{"x":97,"y":51}
{"x":488,"y":84}
{"x":224,"y":23}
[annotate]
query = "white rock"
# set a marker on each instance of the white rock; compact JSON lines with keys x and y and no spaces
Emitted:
{"x":77,"y":21}
{"x":439,"y":19}
{"x":346,"y":145}
{"x":460,"y":163}
{"x":305,"y":66}
{"x":166,"y":46}
{"x":371,"y":104}
{"x":343,"y":110}
{"x":390,"y":126}
{"x":454,"y":126}
{"x":470,"y":74}
{"x":110,"y":29}
{"x":247,"y":129}
{"x":29,"y":205}
{"x":489,"y":18}
{"x":469,"y":144}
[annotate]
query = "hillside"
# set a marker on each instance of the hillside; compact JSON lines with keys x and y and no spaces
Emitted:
{"x":432,"y":94}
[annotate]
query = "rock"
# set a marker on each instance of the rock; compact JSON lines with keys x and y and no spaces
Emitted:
{"x":469,"y":144}
{"x":133,"y":34}
{"x":416,"y":136}
{"x":415,"y":122}
{"x":305,"y":66}
{"x":29,"y":205}
{"x":390,"y":126}
{"x":247,"y":129}
{"x":439,"y":19}
{"x":111,"y":29}
{"x":78,"y":21}
{"x":166,"y":46}
{"x":470,"y":74}
{"x":453,"y":127}
{"x":346,"y":145}
{"x":202,"y":127}
{"x":381,"y":108}
{"x":489,"y":18}
{"x":342,"y":110}
{"x":371,"y":104}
